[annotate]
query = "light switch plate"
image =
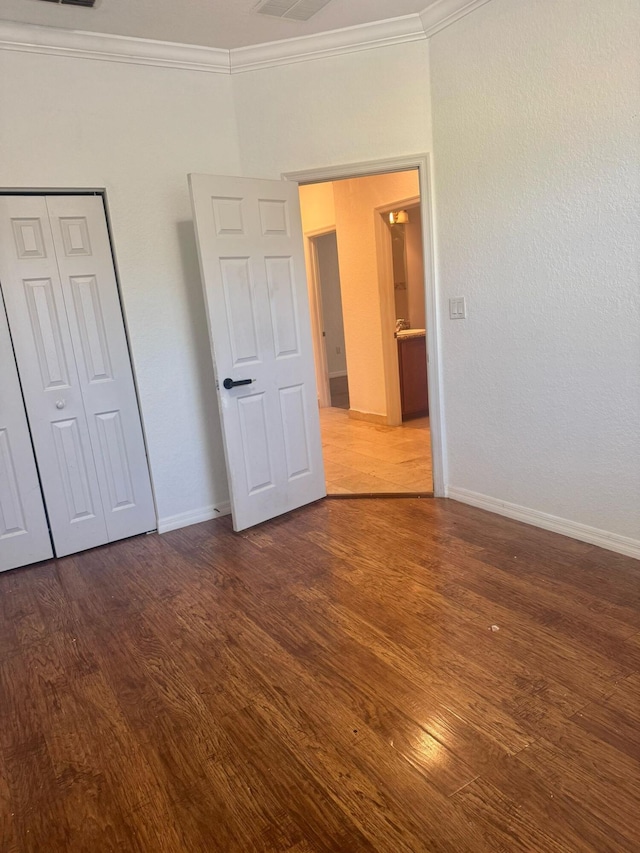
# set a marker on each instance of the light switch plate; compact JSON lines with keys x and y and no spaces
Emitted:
{"x":457,"y":308}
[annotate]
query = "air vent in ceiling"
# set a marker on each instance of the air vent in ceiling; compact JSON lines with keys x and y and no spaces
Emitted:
{"x":73,"y":2}
{"x":296,"y":10}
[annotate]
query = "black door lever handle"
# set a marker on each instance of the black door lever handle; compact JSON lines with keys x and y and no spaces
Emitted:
{"x":229,"y":383}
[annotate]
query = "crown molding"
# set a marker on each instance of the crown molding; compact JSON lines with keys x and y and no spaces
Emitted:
{"x":401,"y":30}
{"x":30,"y":38}
{"x":443,"y":13}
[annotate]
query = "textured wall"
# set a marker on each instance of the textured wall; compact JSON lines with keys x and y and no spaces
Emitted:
{"x":137,"y":132}
{"x":335,"y":111}
{"x":536,"y":163}
{"x":535,"y":114}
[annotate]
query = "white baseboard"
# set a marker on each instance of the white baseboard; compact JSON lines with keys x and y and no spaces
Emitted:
{"x":337,"y":374}
{"x":195,"y":516}
{"x":592,"y":535}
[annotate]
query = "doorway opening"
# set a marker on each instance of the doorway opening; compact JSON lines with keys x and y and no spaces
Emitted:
{"x":366,"y":273}
{"x":325,"y":252}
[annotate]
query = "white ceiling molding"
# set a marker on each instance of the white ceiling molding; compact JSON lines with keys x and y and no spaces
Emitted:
{"x":446,"y":12}
{"x":30,"y":38}
{"x":348,"y":40}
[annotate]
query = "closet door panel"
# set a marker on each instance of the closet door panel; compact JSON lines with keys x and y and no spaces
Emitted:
{"x":47,"y":368}
{"x":96,"y":326}
{"x":24,"y":534}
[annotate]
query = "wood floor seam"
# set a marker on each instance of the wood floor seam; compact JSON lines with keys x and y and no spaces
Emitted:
{"x":470,"y":782}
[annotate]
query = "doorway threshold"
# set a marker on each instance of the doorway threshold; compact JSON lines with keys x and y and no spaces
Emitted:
{"x":360,"y":495}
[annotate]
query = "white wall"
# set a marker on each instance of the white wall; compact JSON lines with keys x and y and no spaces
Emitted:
{"x":137,"y":131}
{"x":535,"y":112}
{"x":334,"y":111}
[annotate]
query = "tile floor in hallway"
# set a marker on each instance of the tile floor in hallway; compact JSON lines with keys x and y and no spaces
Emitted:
{"x":361,"y":457}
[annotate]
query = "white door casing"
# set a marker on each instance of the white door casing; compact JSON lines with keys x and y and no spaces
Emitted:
{"x":73,"y":363}
{"x":24,"y":534}
{"x":249,"y":238}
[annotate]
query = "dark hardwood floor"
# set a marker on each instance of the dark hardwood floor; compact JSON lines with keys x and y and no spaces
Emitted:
{"x":329,"y":681}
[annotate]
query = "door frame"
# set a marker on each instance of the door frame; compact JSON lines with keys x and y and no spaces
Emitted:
{"x":102,"y":192}
{"x":317,"y":315}
{"x":421,"y":162}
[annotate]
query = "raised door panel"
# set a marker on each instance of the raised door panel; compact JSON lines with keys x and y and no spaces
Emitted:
{"x":257,"y":452}
{"x":46,"y":334}
{"x":295,"y":432}
{"x":24,"y":534}
{"x":251,"y":257}
{"x":283,"y":306}
{"x":47,"y":368}
{"x":96,"y":327}
{"x":239,"y":303}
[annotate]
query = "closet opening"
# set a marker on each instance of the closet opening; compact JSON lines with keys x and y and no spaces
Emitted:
{"x":72,"y":452}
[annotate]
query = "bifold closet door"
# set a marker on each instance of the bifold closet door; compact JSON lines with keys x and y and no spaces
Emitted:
{"x":58,"y":281}
{"x":24,"y":534}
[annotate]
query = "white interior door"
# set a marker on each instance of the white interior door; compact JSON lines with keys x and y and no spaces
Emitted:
{"x":46,"y":364}
{"x":24,"y":534}
{"x":96,"y":327}
{"x":57,"y":278}
{"x":249,"y":238}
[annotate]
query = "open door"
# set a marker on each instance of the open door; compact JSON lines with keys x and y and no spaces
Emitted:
{"x":249,"y":238}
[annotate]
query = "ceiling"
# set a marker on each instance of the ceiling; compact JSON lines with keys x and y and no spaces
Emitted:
{"x":215,"y":23}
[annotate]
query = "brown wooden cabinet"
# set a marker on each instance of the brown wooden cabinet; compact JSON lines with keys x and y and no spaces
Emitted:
{"x":412,"y":361}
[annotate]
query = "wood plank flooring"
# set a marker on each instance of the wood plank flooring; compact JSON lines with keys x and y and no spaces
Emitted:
{"x":329,"y":681}
{"x":363,"y":457}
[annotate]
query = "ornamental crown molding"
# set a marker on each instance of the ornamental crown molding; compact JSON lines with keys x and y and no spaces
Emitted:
{"x":443,"y":13}
{"x":332,"y":43}
{"x":30,"y":38}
